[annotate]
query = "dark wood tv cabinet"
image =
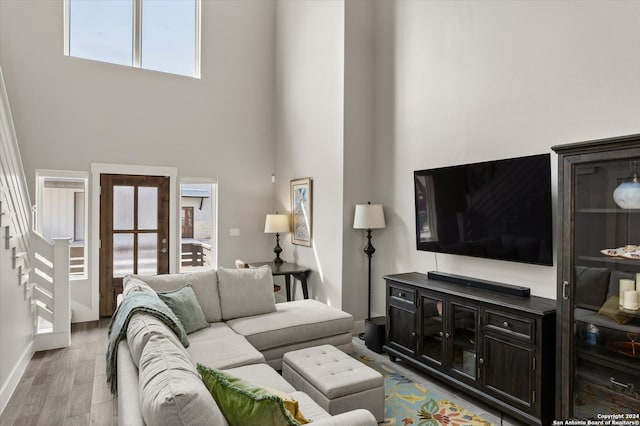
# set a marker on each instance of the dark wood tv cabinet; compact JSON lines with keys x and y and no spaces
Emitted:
{"x":496,"y":347}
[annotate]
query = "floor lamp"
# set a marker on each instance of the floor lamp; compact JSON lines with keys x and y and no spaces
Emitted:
{"x":370,"y":216}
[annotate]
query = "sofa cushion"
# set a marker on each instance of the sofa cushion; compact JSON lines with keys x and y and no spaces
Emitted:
{"x":591,"y":286}
{"x":243,"y":403}
{"x":246,"y":292}
{"x":141,"y":327}
{"x":170,"y":389}
{"x":227,"y":352}
{"x":310,"y":408}
{"x":184,"y":304}
{"x":204,"y":283}
{"x":261,"y":375}
{"x":293,"y":322}
{"x":216,"y":330}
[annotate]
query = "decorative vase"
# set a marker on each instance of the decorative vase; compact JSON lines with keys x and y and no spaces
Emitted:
{"x":627,"y":194}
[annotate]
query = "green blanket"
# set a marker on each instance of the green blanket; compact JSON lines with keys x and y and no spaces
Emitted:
{"x":137,"y":301}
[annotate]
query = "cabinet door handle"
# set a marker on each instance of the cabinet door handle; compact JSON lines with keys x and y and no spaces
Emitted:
{"x":565,"y":290}
{"x":615,"y":382}
{"x":447,"y":335}
{"x":441,"y":334}
{"x":413,"y":334}
{"x":481,"y":361}
{"x":505,"y":324}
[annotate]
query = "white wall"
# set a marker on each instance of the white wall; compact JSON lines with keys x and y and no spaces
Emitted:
{"x":70,"y":112}
{"x":359,"y":170}
{"x":461,"y":82}
{"x":310,"y":123}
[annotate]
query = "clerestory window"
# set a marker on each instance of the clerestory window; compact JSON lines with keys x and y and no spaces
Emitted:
{"x":160,"y":35}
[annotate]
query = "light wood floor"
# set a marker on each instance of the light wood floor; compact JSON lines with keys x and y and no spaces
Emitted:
{"x":66,"y":386}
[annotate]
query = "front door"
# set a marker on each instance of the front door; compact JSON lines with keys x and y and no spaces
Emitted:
{"x":134,"y":231}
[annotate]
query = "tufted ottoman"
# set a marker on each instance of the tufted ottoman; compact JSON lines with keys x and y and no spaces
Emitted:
{"x":336,"y":381}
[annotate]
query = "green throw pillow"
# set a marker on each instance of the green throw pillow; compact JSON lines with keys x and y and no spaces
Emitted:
{"x":242,"y":403}
{"x":184,"y":304}
{"x":610,"y":310}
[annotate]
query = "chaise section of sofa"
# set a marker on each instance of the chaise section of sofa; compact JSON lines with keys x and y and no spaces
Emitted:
{"x":295,"y":325}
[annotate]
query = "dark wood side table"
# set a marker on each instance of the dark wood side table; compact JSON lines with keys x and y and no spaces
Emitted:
{"x":288,"y":270}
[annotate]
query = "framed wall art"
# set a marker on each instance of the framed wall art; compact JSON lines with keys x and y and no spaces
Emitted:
{"x":301,"y":208}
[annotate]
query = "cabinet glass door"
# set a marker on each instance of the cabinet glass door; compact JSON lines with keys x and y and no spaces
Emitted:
{"x":433,"y":332}
{"x":464,"y":332}
{"x":606,"y":281}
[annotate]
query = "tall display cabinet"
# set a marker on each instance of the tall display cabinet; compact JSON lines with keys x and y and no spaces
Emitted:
{"x":598,"y":327}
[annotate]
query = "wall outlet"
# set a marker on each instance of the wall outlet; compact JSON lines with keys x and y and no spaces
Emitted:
{"x":234,"y":232}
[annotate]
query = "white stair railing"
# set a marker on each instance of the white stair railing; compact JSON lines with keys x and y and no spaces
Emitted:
{"x":41,"y":269}
{"x":50,"y":288}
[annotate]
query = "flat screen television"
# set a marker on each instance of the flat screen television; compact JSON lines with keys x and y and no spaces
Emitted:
{"x":496,"y":209}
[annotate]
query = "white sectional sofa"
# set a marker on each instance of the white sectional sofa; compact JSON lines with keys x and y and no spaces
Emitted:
{"x":247,"y":336}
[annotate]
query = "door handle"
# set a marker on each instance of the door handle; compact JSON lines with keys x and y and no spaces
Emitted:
{"x":565,"y":290}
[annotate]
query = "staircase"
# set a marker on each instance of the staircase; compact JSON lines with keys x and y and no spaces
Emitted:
{"x":39,"y":268}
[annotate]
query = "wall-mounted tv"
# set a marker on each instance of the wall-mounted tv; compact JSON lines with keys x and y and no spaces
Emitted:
{"x":496,"y":209}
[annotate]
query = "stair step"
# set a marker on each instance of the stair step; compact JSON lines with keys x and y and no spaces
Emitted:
{"x":28,"y":291}
{"x":23,"y":275}
{"x":15,"y":255}
{"x":43,"y":296}
{"x":7,"y":237}
{"x":43,"y":311}
{"x":42,"y":326}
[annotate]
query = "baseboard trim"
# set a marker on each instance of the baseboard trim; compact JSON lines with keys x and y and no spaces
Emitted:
{"x":9,"y":386}
{"x":51,"y":340}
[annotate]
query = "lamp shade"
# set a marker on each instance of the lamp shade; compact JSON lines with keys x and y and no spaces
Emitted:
{"x":276,"y":223}
{"x":369,"y":216}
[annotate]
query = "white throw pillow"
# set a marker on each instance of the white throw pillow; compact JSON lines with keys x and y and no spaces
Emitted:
{"x":246,"y":292}
{"x":204,"y":283}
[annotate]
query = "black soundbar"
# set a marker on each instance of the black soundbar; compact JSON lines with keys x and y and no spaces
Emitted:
{"x":503,"y":288}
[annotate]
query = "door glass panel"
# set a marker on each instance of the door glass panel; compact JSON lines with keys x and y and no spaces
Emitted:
{"x":122,"y":254}
{"x":148,"y":254}
{"x":606,"y":281}
{"x":123,"y":207}
{"x":464,"y":339}
{"x":147,"y":207}
{"x":432,"y":330}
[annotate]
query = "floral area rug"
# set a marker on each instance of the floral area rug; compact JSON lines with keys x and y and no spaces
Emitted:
{"x":410,"y":403}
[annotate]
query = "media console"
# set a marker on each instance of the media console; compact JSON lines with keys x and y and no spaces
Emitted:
{"x":477,"y":336}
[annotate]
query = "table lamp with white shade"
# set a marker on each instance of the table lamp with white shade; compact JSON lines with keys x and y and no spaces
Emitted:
{"x":276,"y":224}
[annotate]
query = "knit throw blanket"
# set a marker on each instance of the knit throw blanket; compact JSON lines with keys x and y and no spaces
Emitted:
{"x":137,"y":301}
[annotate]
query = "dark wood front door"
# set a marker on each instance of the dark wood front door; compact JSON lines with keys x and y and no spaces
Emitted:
{"x":134,"y":231}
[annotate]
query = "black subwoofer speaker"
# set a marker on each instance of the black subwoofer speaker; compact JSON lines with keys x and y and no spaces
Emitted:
{"x":374,"y":331}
